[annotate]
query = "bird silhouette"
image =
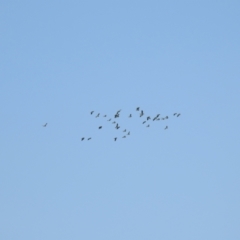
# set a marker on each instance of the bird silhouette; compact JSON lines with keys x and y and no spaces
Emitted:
{"x":124,"y":136}
{"x":128,"y":133}
{"x":138,"y":108}
{"x":82,"y":139}
{"x":92,"y":112}
{"x":143,"y":122}
{"x":148,"y":125}
{"x":99,"y":127}
{"x":141,"y":114}
{"x":98,"y":115}
{"x":148,"y":118}
{"x":105,"y":116}
{"x":115,"y":139}
{"x":117,"y":126}
{"x":45,"y":125}
{"x":174,"y":114}
{"x":156,"y":117}
{"x":89,"y":139}
{"x":125,"y":130}
{"x":109,"y":119}
{"x":166,"y":127}
{"x":130,"y":115}
{"x":178,"y":115}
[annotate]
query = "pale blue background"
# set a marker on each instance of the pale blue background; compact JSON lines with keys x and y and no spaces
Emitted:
{"x":61,"y":59}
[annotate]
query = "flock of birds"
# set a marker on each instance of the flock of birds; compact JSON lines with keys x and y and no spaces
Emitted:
{"x":126,"y":132}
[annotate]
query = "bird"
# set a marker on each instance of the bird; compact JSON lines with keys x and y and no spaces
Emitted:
{"x":89,"y":139}
{"x":109,"y":119}
{"x":137,"y":109}
{"x":92,"y":112}
{"x":141,"y":114}
{"x":105,"y":116}
{"x":128,"y":133}
{"x":117,"y":126}
{"x":148,"y":118}
{"x":148,"y":125}
{"x":124,"y":136}
{"x":178,"y":114}
{"x":156,"y":117}
{"x":99,"y":127}
{"x":115,"y":139}
{"x":116,"y":115}
{"x":174,"y":114}
{"x":143,"y":122}
{"x":82,"y":139}
{"x":98,"y":115}
{"x":45,"y":125}
{"x":130,"y":115}
{"x":125,"y":130}
{"x":166,"y":117}
{"x":114,"y":122}
{"x":166,"y":127}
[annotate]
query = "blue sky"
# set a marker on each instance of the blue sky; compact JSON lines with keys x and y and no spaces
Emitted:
{"x":61,"y":59}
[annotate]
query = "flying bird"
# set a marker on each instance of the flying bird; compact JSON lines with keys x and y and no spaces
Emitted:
{"x":98,"y":115}
{"x":109,"y":119}
{"x":124,"y":136}
{"x":99,"y":127}
{"x":128,"y":133}
{"x":148,"y":125}
{"x":166,"y":127}
{"x":178,"y":115}
{"x":45,"y":125}
{"x":130,"y":115}
{"x":141,"y":114}
{"x":138,"y":108}
{"x":115,"y":139}
{"x":125,"y":130}
{"x":105,"y":116}
{"x":92,"y":112}
{"x":82,"y":139}
{"x":143,"y":122}
{"x":174,"y":114}
{"x":148,"y":118}
{"x":89,"y":138}
{"x":156,"y":117}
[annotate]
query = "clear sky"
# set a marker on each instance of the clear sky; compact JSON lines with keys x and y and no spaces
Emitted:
{"x":61,"y":59}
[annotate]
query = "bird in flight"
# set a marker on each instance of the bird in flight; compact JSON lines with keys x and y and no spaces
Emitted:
{"x":117,"y":126}
{"x":174,"y":114}
{"x":148,"y":125}
{"x":45,"y":125}
{"x":141,"y":114}
{"x":115,"y":139}
{"x":166,"y":127}
{"x":89,"y":138}
{"x":178,"y":114}
{"x":98,"y":115}
{"x":143,"y":122}
{"x":148,"y":118}
{"x":125,"y":130}
{"x":99,"y":127}
{"x":138,"y":108}
{"x":105,"y":116}
{"x":109,"y":119}
{"x":128,"y":133}
{"x":92,"y":112}
{"x":156,"y":117}
{"x":130,"y":115}
{"x":82,"y":139}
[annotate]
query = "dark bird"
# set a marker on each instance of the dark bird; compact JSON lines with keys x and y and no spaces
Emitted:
{"x":117,"y":126}
{"x":99,"y":127}
{"x":148,"y":118}
{"x":166,"y":117}
{"x":143,"y":122}
{"x":130,"y":115}
{"x":109,"y":119}
{"x":114,"y":122}
{"x":45,"y":125}
{"x":124,"y":136}
{"x":138,"y":108}
{"x":105,"y":116}
{"x":174,"y":114}
{"x":128,"y":133}
{"x":116,"y":115}
{"x":115,"y":139}
{"x":89,"y":138}
{"x":141,"y":114}
{"x":92,"y":112}
{"x":166,"y":127}
{"x":156,"y":117}
{"x":82,"y":139}
{"x":178,"y":115}
{"x":98,"y":115}
{"x":148,"y":125}
{"x":125,"y":130}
